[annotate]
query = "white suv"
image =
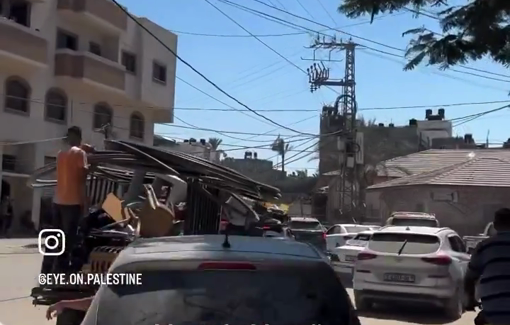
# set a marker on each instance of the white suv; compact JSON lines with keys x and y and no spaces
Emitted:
{"x":412,"y":264}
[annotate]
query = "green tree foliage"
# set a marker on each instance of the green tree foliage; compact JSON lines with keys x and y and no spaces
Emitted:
{"x":471,"y":31}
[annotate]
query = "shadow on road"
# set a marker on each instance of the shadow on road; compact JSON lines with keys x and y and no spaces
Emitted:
{"x":408,"y":314}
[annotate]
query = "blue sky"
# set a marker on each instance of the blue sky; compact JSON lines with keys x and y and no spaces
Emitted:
{"x":262,"y":80}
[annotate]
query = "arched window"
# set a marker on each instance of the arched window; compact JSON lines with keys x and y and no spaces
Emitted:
{"x":103,"y":115}
{"x":17,"y":95}
{"x":136,"y":125}
{"x":56,"y":105}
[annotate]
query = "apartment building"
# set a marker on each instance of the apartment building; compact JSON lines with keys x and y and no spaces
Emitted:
{"x":75,"y":62}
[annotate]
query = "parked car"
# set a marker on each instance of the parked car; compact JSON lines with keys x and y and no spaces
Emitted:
{"x":412,"y":219}
{"x":339,"y":234}
{"x":344,"y":257}
{"x":412,"y":264}
{"x":184,"y":281}
{"x":473,"y":241}
{"x":308,"y":230}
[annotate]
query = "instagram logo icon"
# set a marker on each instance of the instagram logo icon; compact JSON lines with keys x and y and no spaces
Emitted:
{"x":51,"y":242}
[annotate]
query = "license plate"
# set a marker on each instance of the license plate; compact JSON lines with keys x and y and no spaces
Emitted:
{"x":350,"y":258}
{"x":397,"y":277}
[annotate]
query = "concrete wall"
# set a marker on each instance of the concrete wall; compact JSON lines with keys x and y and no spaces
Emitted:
{"x":474,"y":208}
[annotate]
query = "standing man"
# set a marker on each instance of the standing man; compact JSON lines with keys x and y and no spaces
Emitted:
{"x":489,"y":266}
{"x":70,"y":199}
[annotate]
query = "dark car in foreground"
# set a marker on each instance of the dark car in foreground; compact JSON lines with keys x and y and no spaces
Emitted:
{"x":199,"y":280}
{"x":308,"y":230}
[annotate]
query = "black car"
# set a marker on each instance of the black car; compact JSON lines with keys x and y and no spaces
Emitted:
{"x":308,"y":230}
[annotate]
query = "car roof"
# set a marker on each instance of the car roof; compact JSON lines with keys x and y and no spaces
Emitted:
{"x":412,"y":215}
{"x":353,"y":225}
{"x":304,"y":219}
{"x":411,"y":229}
{"x":206,"y":246}
{"x":366,"y":232}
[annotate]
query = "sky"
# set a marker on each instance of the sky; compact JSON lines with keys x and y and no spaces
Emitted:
{"x":263,"y":80}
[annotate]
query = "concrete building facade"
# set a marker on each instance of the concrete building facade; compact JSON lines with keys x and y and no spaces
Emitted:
{"x":81,"y":62}
{"x":200,"y":148}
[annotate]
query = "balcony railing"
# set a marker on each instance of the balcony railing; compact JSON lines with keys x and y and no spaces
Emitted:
{"x":86,"y":66}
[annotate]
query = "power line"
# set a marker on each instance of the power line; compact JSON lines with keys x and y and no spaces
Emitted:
{"x":201,"y":74}
{"x":258,"y":39}
{"x":340,"y":31}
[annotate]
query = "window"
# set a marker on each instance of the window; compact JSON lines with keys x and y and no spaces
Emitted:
{"x":17,"y":94}
{"x":103,"y":115}
{"x":356,"y":229}
{"x":95,"y":48}
{"x":457,"y":244}
{"x":9,"y":162}
{"x":19,"y":12}
{"x":278,"y":296}
{"x":136,"y":126}
{"x":333,"y":230}
{"x":56,"y":105}
{"x":49,"y":160}
{"x":66,"y":40}
{"x":159,"y":72}
{"x":408,"y":243}
{"x":129,"y":61}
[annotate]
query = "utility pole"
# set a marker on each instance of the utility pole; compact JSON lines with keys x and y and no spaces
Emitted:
{"x":343,"y":115}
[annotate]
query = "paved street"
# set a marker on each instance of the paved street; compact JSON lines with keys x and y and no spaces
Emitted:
{"x":20,"y":267}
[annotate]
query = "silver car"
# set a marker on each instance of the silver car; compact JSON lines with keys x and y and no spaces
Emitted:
{"x":412,"y":264}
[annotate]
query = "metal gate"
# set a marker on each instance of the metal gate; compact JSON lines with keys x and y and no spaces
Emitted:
{"x":203,"y":214}
{"x":99,"y":188}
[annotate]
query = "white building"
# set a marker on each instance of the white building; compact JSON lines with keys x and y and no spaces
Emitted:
{"x":76,"y":62}
{"x":200,"y":148}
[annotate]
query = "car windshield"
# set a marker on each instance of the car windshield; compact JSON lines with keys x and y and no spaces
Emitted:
{"x":418,"y":222}
{"x":414,"y":243}
{"x":359,"y":240}
{"x":286,"y":297}
{"x":356,"y":229}
{"x":305,"y":225}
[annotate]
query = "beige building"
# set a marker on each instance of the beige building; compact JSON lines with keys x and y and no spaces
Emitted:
{"x":200,"y":148}
{"x":462,"y":187}
{"x":76,"y":62}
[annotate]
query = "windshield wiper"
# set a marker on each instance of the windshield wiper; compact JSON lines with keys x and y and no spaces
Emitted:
{"x":402,"y":247}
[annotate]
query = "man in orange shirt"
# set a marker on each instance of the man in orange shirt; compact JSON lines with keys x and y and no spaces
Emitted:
{"x":70,"y":199}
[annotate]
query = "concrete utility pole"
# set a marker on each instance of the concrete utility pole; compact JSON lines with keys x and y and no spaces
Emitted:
{"x":350,"y":142}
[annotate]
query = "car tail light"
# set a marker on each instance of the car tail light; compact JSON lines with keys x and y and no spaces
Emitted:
{"x":438,"y":260}
{"x":323,"y":235}
{"x":266,"y":228}
{"x":363,"y":256}
{"x":226,"y":266}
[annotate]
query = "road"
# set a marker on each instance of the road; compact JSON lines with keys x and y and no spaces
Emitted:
{"x":20,"y":265}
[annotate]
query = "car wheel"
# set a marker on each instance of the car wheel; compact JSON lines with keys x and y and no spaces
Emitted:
{"x":362,"y":304}
{"x":454,"y":306}
{"x":70,"y":317}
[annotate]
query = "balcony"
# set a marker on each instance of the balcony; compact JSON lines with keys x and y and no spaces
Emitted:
{"x":21,"y":47}
{"x":102,"y":14}
{"x":90,"y":69}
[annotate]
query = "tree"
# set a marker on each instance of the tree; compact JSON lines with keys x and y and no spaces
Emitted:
{"x":215,"y":143}
{"x":471,"y":31}
{"x":281,"y":147}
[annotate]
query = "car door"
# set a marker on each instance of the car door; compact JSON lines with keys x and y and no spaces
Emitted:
{"x":459,"y":253}
{"x":331,"y":236}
